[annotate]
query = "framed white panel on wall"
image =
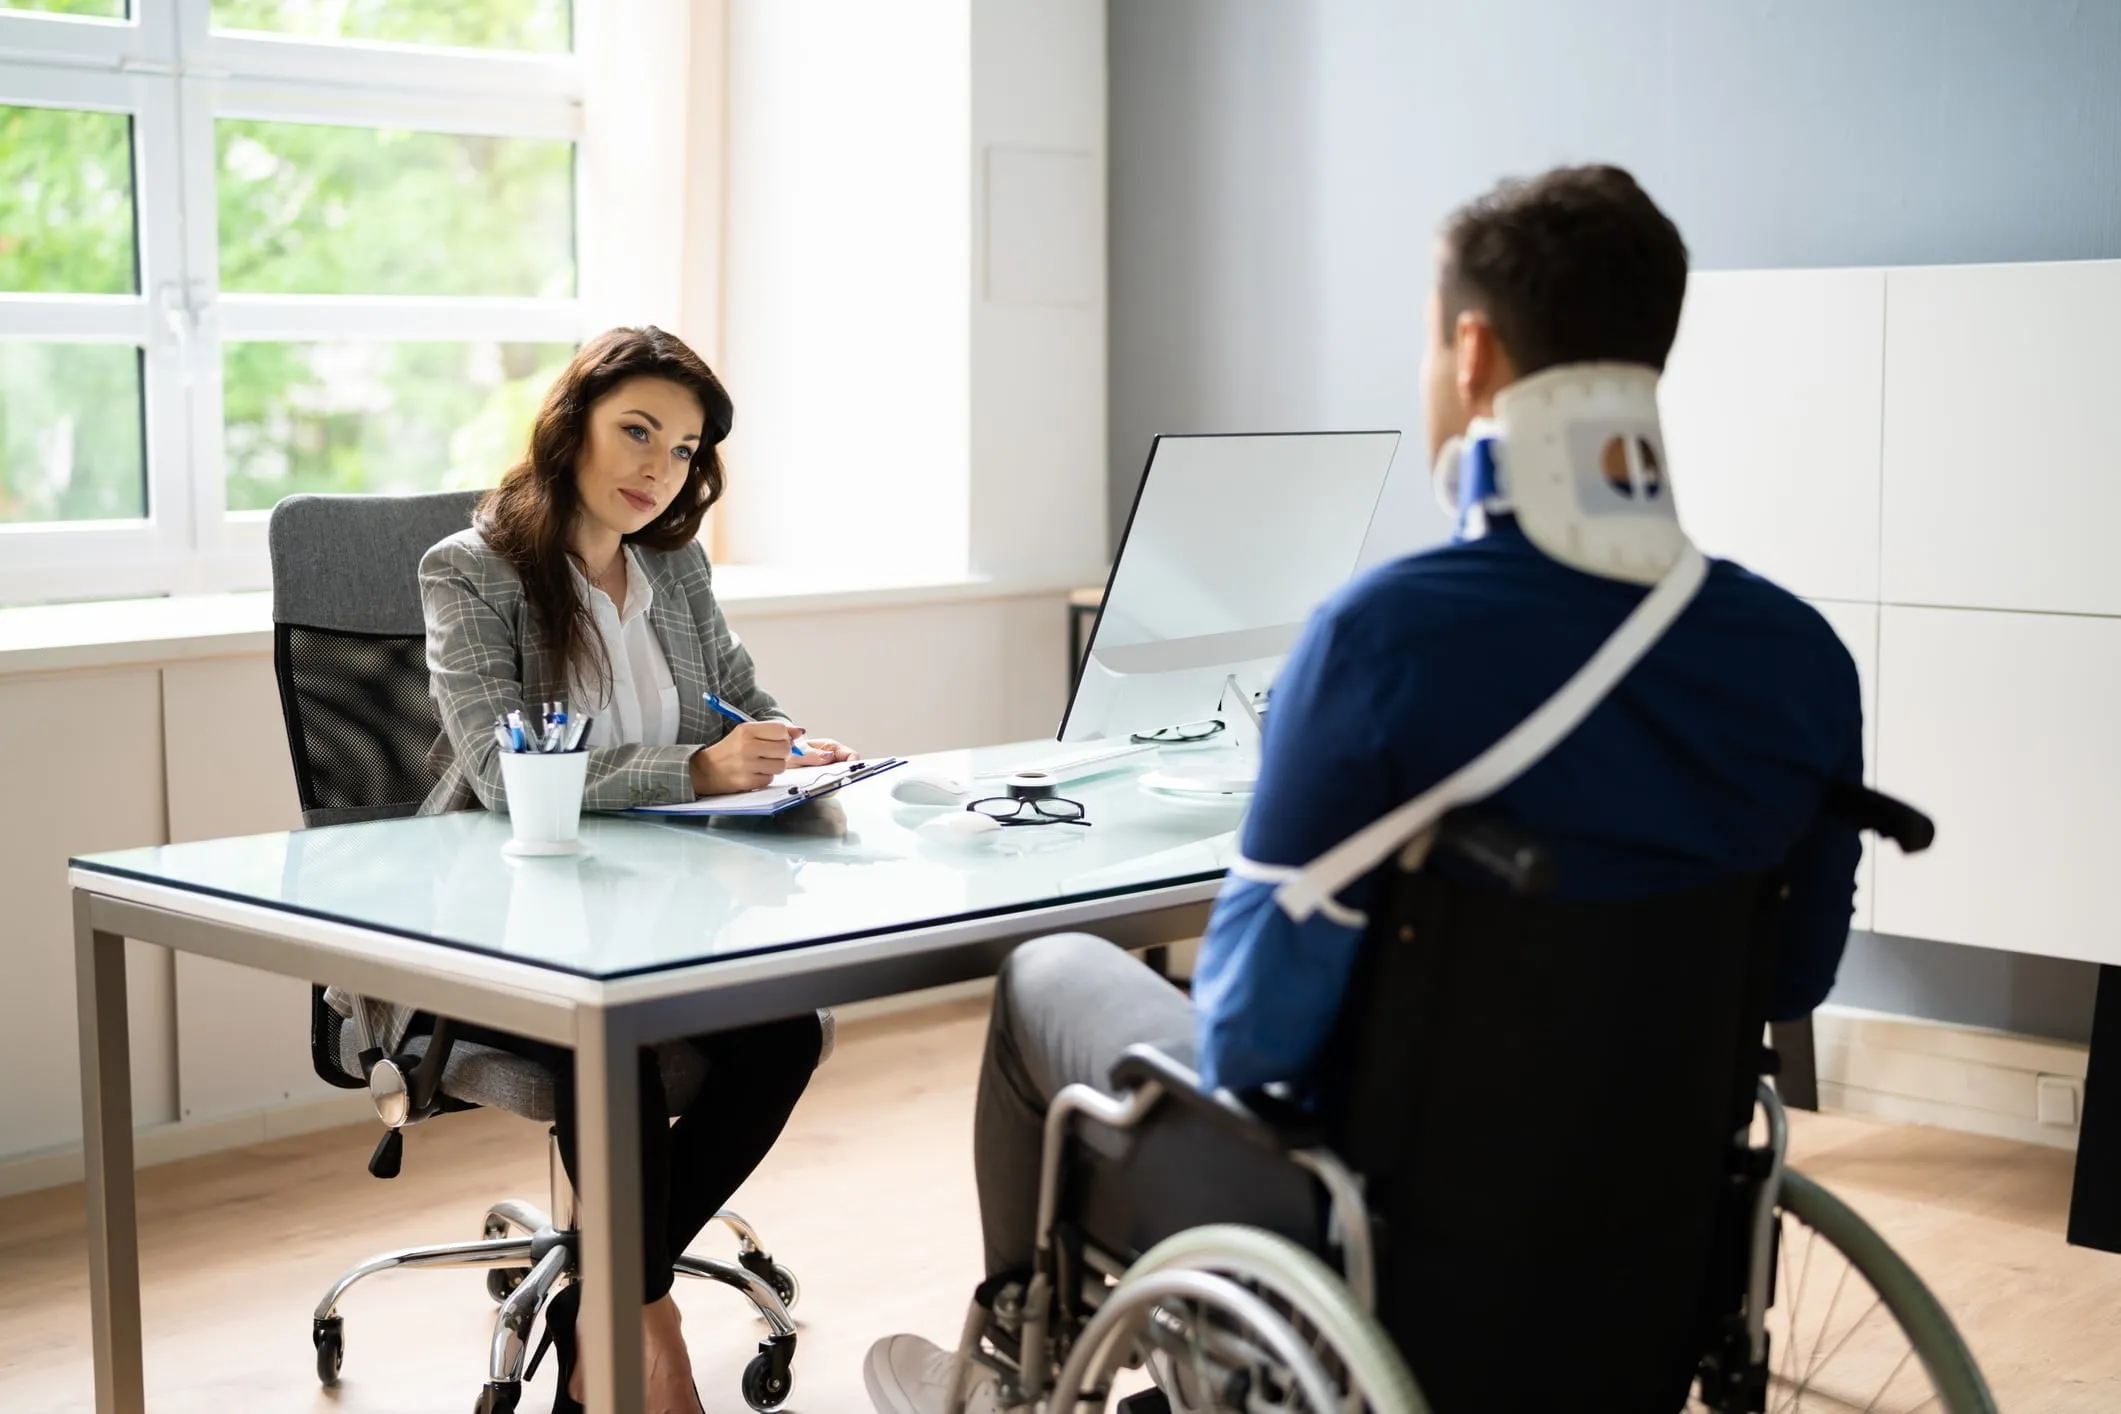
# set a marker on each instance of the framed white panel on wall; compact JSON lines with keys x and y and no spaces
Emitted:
{"x":2003,"y":437}
{"x":1857,"y":627}
{"x":1770,"y":403}
{"x":242,"y":1036}
{"x":2001,"y":727}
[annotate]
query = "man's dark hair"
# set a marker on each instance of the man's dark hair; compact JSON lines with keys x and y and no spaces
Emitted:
{"x":1576,"y":265}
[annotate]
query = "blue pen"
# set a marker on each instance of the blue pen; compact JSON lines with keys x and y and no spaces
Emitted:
{"x":737,"y":714}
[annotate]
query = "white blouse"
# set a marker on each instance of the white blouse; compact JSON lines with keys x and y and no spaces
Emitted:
{"x":642,"y":708}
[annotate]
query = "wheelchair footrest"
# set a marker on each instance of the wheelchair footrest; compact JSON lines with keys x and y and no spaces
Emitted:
{"x":1149,"y":1401}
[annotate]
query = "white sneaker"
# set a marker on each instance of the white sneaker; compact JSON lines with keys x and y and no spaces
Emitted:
{"x":908,"y":1375}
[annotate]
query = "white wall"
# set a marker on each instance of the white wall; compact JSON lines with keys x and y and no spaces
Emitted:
{"x":845,"y":338}
{"x":913,"y":321}
{"x":1038,"y":287}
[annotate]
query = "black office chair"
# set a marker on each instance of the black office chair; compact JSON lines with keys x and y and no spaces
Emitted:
{"x":1538,"y":1185}
{"x":349,"y":651}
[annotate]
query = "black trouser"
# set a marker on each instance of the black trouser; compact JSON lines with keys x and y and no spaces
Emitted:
{"x":690,"y":1169}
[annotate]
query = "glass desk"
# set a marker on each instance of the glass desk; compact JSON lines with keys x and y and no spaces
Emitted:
{"x":661,"y":928}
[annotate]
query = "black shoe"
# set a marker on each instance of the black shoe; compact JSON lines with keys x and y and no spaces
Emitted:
{"x":560,"y":1314}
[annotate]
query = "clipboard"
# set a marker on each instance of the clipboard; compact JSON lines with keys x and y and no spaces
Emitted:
{"x":789,"y":789}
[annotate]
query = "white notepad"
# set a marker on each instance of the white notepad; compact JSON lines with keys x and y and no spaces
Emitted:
{"x":789,"y":789}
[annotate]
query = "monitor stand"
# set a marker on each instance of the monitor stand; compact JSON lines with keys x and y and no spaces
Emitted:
{"x":1234,"y":771}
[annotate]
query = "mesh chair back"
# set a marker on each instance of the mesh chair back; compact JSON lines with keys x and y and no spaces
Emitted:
{"x":1543,"y":1099}
{"x":349,"y":647}
{"x":350,"y":655}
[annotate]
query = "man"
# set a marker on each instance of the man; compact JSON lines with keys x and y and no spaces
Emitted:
{"x":1709,"y":758}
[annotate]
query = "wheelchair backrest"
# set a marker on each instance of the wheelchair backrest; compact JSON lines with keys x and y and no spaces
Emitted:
{"x":1541,"y":1096}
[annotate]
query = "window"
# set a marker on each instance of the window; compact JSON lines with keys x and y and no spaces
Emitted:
{"x":250,"y":248}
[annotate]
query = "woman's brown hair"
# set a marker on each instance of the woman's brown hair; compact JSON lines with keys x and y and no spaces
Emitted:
{"x":527,"y":518}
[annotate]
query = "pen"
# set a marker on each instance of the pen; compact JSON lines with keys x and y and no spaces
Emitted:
{"x":577,"y":730}
{"x":736,"y":714}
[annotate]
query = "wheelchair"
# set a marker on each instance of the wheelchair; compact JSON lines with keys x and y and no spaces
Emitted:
{"x":1602,"y":1217}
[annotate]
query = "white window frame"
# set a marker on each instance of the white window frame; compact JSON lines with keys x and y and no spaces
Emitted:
{"x":175,"y":75}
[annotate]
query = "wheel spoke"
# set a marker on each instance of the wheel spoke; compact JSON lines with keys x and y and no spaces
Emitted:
{"x":1827,"y":1323}
{"x":1876,"y":1305}
{"x":1900,"y":1365}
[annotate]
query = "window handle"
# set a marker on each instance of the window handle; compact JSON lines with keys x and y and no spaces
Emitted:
{"x":183,"y":305}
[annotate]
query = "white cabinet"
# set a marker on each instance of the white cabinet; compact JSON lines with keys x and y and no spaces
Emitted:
{"x":1770,"y":410}
{"x":2002,"y":451}
{"x":2002,"y":727}
{"x":1857,"y":626}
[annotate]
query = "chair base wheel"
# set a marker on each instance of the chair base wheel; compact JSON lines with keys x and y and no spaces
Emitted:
{"x":768,"y":1379}
{"x":498,"y":1399}
{"x":329,"y":1336}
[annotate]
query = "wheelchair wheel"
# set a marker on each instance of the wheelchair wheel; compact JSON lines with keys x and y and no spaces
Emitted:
{"x":1246,"y":1321}
{"x":1851,"y":1326}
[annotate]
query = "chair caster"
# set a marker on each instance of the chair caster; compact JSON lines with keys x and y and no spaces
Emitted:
{"x":774,"y":1275}
{"x":498,"y":1399}
{"x":329,"y":1336}
{"x":768,"y":1379}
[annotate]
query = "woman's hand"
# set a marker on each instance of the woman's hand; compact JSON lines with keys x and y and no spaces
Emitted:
{"x":749,"y":757}
{"x":824,"y":751}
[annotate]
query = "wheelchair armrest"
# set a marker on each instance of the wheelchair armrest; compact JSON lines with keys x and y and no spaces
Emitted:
{"x":1257,"y":1117}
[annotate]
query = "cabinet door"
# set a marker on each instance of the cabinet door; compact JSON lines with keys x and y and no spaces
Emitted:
{"x":242,"y":1035}
{"x":2003,"y":437}
{"x":2002,"y":727}
{"x":1857,"y":625}
{"x":1770,"y":406}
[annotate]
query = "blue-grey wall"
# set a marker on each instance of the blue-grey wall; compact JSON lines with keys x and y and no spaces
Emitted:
{"x":1278,"y":168}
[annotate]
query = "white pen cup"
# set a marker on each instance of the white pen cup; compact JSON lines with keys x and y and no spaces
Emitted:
{"x":544,"y":800}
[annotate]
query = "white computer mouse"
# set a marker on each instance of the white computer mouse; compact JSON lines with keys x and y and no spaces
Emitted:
{"x":929,"y":788}
{"x":959,"y":827}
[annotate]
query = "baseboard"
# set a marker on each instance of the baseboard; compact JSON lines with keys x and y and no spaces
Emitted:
{"x":188,"y":1139}
{"x":1968,"y":1078}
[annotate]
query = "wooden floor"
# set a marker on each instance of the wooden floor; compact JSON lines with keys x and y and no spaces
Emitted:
{"x":870,"y":1198}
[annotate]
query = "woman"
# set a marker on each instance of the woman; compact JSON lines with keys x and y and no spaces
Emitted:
{"x":581,"y":581}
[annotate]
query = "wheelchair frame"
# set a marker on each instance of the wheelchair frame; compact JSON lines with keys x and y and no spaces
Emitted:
{"x":1052,"y":1362}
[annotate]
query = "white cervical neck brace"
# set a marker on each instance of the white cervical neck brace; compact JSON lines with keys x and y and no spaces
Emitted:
{"x":1576,"y":454}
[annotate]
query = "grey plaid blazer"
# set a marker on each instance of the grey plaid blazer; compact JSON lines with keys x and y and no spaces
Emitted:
{"x":486,"y":658}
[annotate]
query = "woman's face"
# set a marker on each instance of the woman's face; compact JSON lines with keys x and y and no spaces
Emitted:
{"x":637,"y":452}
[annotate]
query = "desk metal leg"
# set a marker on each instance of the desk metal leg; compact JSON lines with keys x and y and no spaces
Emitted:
{"x":2095,"y":1197}
{"x":107,"y":1139}
{"x":1798,"y":1084}
{"x":608,"y":1099}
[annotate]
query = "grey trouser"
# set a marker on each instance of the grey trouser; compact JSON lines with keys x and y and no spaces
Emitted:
{"x":1065,"y":1008}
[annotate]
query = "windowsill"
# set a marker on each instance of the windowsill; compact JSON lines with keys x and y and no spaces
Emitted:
{"x":116,"y":633}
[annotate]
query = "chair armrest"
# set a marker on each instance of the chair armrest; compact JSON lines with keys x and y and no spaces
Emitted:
{"x":1257,"y":1117}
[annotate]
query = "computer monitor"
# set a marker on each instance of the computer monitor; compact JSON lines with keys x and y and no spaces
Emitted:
{"x":1232,"y":542}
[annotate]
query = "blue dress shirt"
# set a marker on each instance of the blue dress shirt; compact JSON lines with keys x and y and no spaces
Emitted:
{"x":1710,"y":758}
